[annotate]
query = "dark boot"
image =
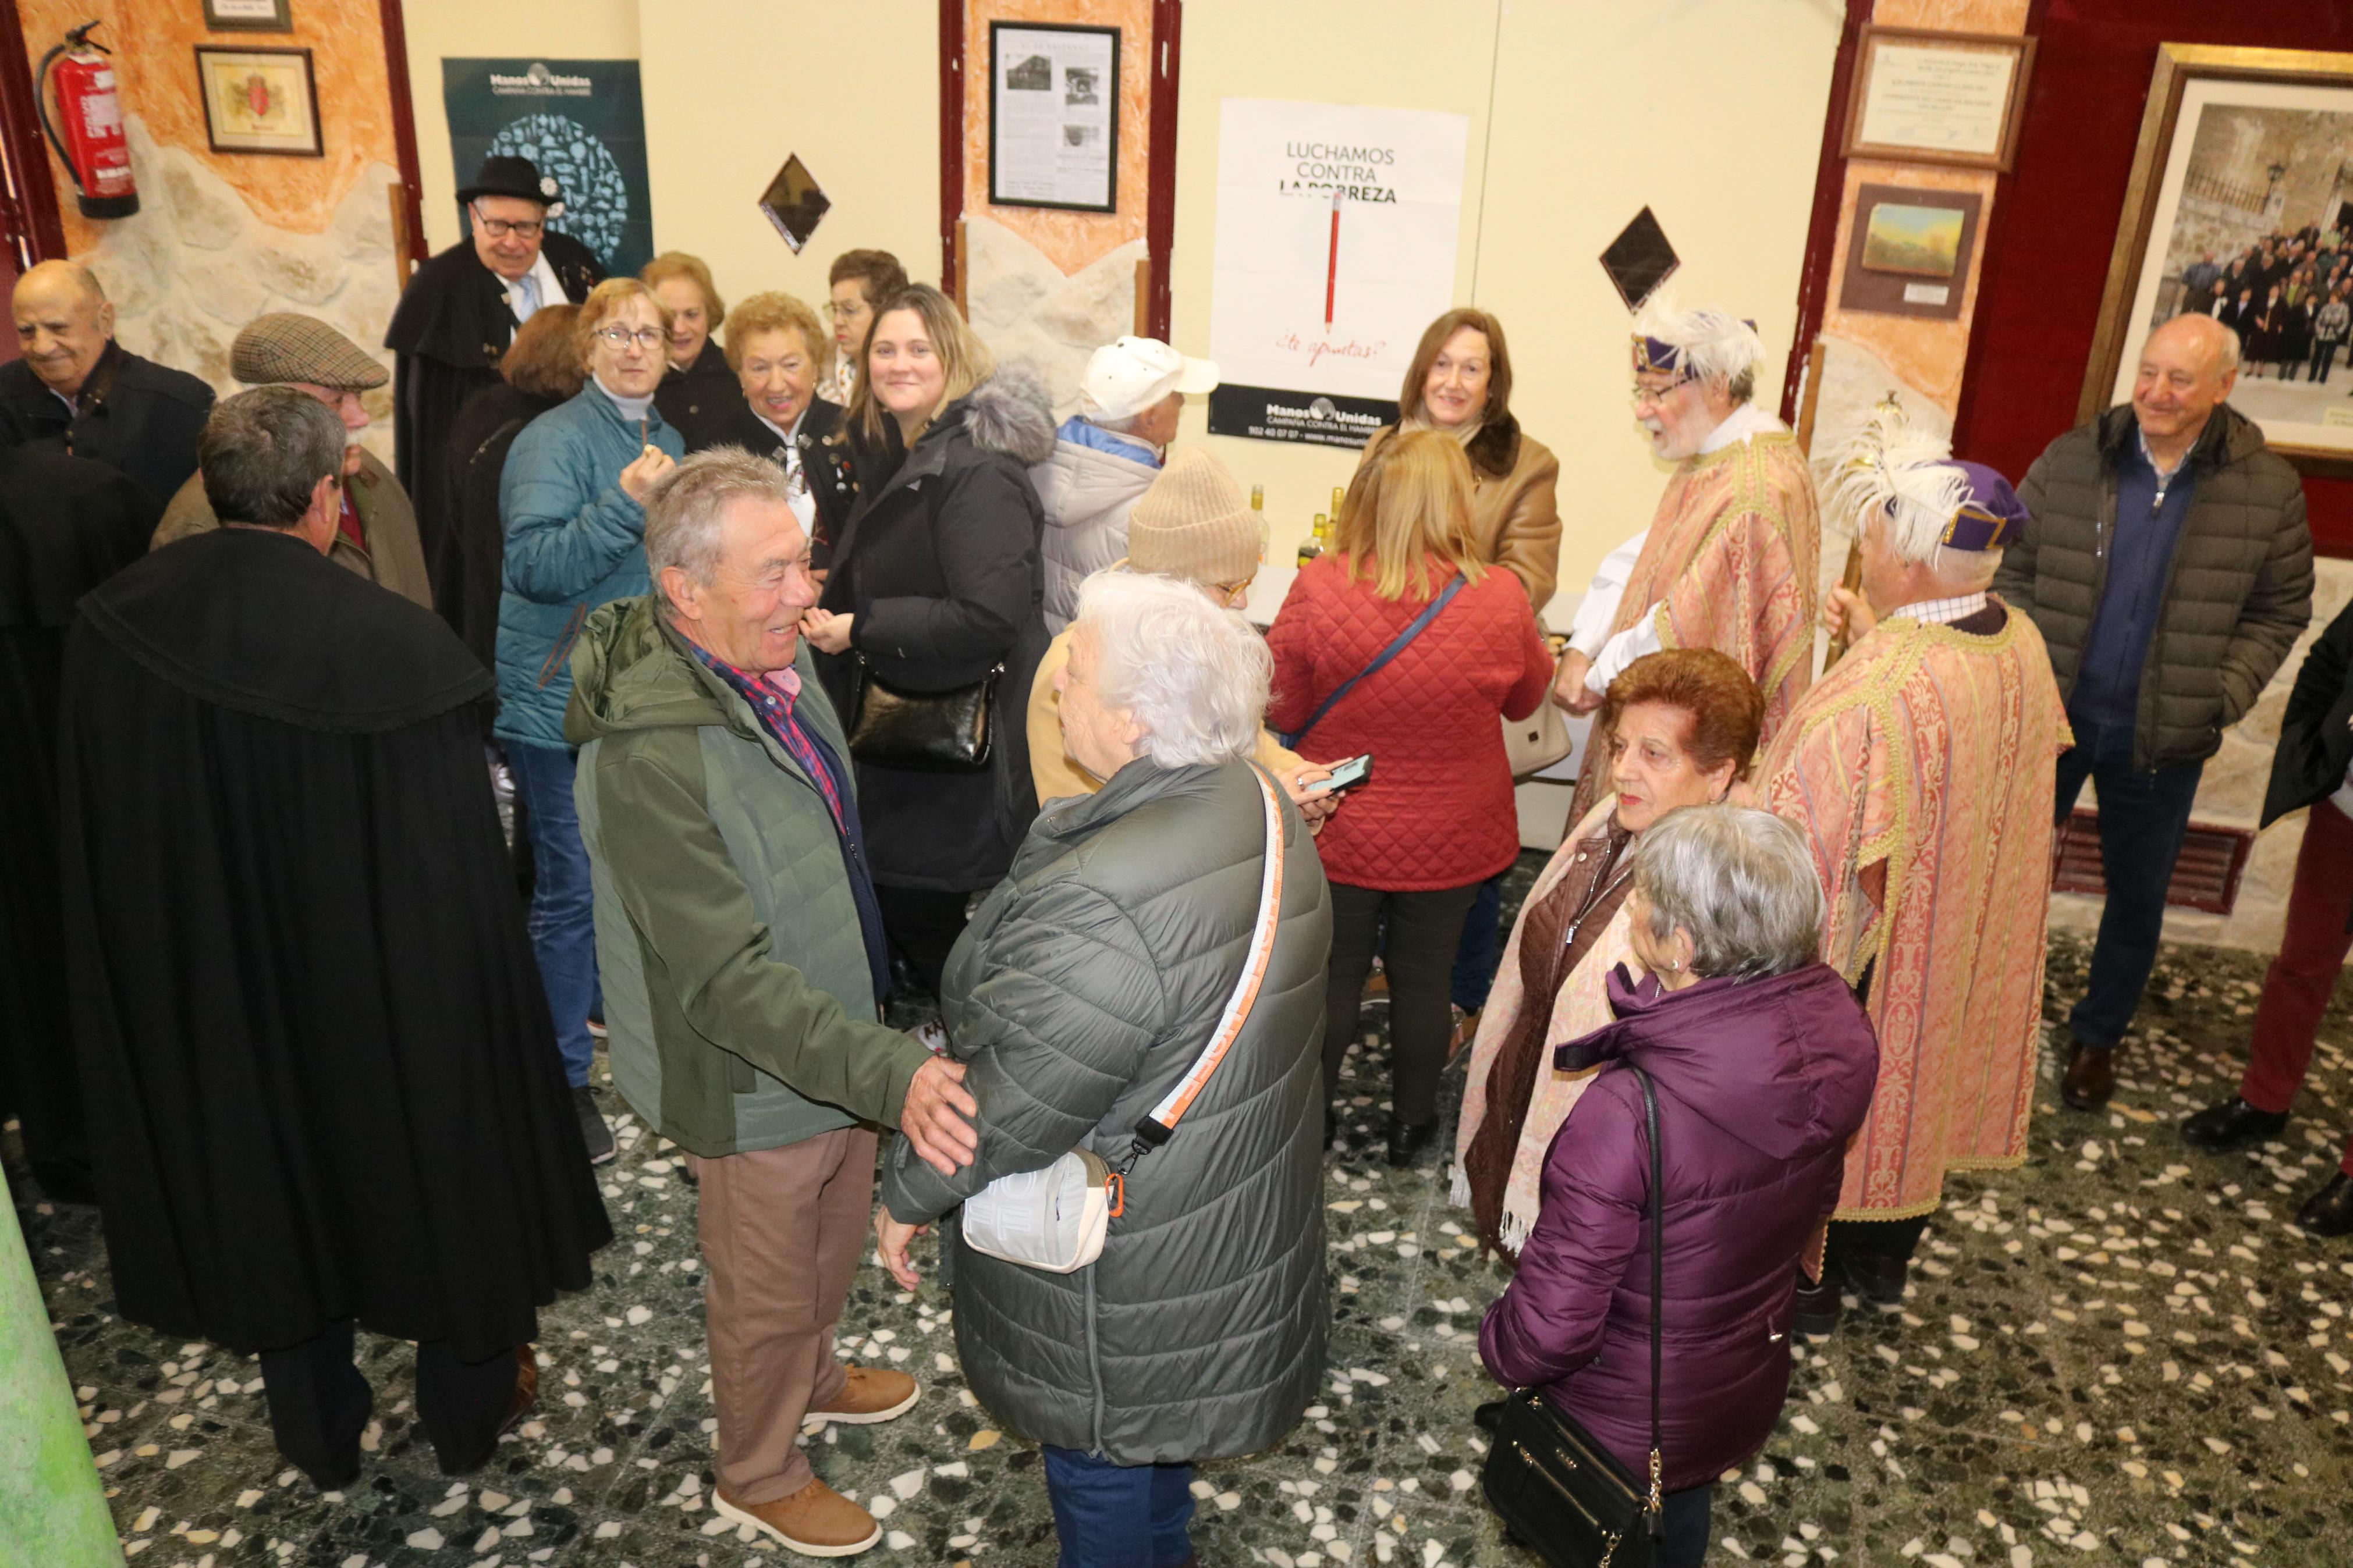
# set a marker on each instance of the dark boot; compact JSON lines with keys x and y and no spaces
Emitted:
{"x":2091,"y":1078}
{"x":2330,"y":1211}
{"x":1876,"y":1278}
{"x":2233,"y":1124}
{"x":1408,"y":1139}
{"x":1818,"y":1306}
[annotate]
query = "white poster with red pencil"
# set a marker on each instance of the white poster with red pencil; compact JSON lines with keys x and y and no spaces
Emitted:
{"x":1337,"y":229}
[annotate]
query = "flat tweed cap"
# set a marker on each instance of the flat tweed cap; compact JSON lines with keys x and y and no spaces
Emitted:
{"x":283,"y":347}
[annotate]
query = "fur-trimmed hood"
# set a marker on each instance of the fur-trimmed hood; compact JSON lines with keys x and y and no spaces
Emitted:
{"x":1008,"y":413}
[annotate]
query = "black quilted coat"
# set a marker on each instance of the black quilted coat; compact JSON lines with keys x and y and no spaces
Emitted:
{"x":1085,"y":988}
{"x":2236,"y":597}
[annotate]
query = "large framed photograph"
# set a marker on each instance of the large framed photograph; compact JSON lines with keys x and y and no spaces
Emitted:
{"x":2240,"y":206}
{"x":259,"y":100}
{"x":1053,"y":116}
{"x":1926,"y":97}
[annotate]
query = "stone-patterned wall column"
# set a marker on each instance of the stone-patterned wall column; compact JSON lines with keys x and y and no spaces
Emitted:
{"x":52,"y":1507}
{"x":1044,"y":288}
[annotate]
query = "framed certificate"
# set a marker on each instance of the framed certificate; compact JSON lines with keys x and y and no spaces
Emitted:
{"x":259,"y":100}
{"x":1922,"y":97}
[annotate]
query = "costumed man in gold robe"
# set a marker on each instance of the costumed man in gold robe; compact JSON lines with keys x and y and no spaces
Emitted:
{"x":1730,"y":560}
{"x":1917,"y":767}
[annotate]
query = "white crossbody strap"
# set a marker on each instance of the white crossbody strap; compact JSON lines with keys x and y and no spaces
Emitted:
{"x":1153,"y":1129}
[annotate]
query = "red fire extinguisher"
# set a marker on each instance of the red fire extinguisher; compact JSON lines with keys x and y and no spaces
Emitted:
{"x":92,"y":144}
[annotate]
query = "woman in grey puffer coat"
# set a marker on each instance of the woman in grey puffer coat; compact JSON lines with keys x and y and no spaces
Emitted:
{"x":1083,"y":990}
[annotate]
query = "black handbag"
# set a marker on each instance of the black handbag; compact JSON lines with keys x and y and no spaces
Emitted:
{"x":1562,"y":1495}
{"x":947,"y":732}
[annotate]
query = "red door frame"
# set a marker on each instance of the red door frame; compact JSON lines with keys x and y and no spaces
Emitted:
{"x":1160,"y":164}
{"x":29,"y":205}
{"x":404,"y":119}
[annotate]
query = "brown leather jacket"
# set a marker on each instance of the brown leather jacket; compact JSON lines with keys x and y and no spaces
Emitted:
{"x":394,"y":556}
{"x":1514,"y":508}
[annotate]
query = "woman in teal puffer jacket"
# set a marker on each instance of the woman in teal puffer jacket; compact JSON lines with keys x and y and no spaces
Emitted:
{"x":572,"y":501}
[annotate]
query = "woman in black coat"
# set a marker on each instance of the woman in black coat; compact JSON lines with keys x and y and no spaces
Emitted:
{"x":779,"y":350}
{"x":700,"y":384}
{"x":542,"y":369}
{"x":936,"y":586}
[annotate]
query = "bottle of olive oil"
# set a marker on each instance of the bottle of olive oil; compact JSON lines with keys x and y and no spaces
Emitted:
{"x":1313,"y":545}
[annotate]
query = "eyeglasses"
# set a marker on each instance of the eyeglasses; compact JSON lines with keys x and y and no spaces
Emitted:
{"x":836,"y":310}
{"x":500,"y":228}
{"x":1654,"y":396}
{"x":644,"y":337}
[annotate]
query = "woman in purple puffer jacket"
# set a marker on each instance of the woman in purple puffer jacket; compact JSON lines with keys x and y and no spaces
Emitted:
{"x":1764,"y":1064}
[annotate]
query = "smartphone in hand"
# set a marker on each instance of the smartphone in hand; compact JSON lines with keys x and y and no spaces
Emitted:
{"x":1346,"y":775}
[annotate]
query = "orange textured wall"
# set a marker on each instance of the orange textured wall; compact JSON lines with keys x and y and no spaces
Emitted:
{"x":154,"y":53}
{"x":1928,"y":354}
{"x":1071,"y":241}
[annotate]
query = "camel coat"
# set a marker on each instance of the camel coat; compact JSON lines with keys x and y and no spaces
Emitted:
{"x":1514,"y":507}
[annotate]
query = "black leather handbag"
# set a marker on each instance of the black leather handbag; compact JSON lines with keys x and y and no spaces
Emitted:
{"x":925,"y":731}
{"x":1559,"y":1493}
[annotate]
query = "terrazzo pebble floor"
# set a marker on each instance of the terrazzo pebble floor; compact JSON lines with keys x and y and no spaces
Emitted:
{"x":2121,"y":1354}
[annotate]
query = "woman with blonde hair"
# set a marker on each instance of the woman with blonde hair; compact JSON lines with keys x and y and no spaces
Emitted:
{"x":698,"y":386}
{"x":1402,"y":645}
{"x":571,"y":498}
{"x":933,"y":607}
{"x":780,"y":353}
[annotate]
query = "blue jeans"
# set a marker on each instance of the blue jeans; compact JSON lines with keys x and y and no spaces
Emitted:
{"x":1118,"y":1516}
{"x":563,"y":905}
{"x":1481,"y":947}
{"x":2144,"y":813}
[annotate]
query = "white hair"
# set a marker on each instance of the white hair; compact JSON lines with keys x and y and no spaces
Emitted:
{"x":687,"y":511}
{"x":1901,"y":480}
{"x":1194,"y":676}
{"x":1740,"y":881}
{"x":1716,"y":344}
{"x":1903,"y":477}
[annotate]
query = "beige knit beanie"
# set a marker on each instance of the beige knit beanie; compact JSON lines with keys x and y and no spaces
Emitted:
{"x":1195,"y":523}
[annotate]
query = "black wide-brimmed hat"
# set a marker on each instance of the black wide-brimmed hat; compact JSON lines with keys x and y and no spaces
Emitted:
{"x":516,"y":177}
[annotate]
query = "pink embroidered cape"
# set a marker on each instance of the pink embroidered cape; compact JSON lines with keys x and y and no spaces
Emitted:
{"x":1920,"y":769}
{"x":1579,"y":1007}
{"x":1733,"y":562}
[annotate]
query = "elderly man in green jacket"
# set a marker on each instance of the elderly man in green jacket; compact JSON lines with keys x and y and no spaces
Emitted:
{"x":742,"y":954}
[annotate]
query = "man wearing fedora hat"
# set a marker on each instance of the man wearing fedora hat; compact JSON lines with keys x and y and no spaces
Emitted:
{"x":456,"y":319}
{"x":375,"y":534}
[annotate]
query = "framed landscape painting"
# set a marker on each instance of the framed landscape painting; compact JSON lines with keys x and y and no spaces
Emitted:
{"x":2241,"y":207}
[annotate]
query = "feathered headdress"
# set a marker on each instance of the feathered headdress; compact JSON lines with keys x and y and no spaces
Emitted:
{"x":1902,"y":474}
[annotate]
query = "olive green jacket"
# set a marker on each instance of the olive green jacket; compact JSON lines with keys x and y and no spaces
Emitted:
{"x":394,"y":557}
{"x":739,"y":1005}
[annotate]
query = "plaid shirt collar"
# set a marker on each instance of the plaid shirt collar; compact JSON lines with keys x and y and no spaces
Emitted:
{"x":1943,"y":612}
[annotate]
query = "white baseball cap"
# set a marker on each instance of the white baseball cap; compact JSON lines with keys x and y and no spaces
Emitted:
{"x":1126,"y":377}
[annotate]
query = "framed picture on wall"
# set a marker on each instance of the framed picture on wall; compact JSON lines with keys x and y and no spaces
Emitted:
{"x":1923,"y":97}
{"x":1053,"y":116}
{"x":259,"y":100}
{"x":249,"y":15}
{"x":1908,"y":254}
{"x":2241,"y":207}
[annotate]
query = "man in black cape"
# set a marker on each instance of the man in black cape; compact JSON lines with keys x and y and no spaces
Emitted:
{"x":456,"y":319}
{"x":323,"y":1084}
{"x":67,"y":524}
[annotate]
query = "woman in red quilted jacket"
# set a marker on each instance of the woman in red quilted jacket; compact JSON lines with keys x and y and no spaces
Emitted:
{"x":1437,"y":819}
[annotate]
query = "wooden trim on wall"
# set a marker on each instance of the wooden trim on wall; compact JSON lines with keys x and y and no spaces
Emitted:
{"x":1160,"y":166}
{"x":1821,"y":230}
{"x":951,"y":146}
{"x":30,"y":208}
{"x":404,"y":126}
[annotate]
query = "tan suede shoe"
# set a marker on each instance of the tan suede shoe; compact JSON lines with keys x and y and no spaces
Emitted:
{"x":816,"y":1521}
{"x":871,"y":1395}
